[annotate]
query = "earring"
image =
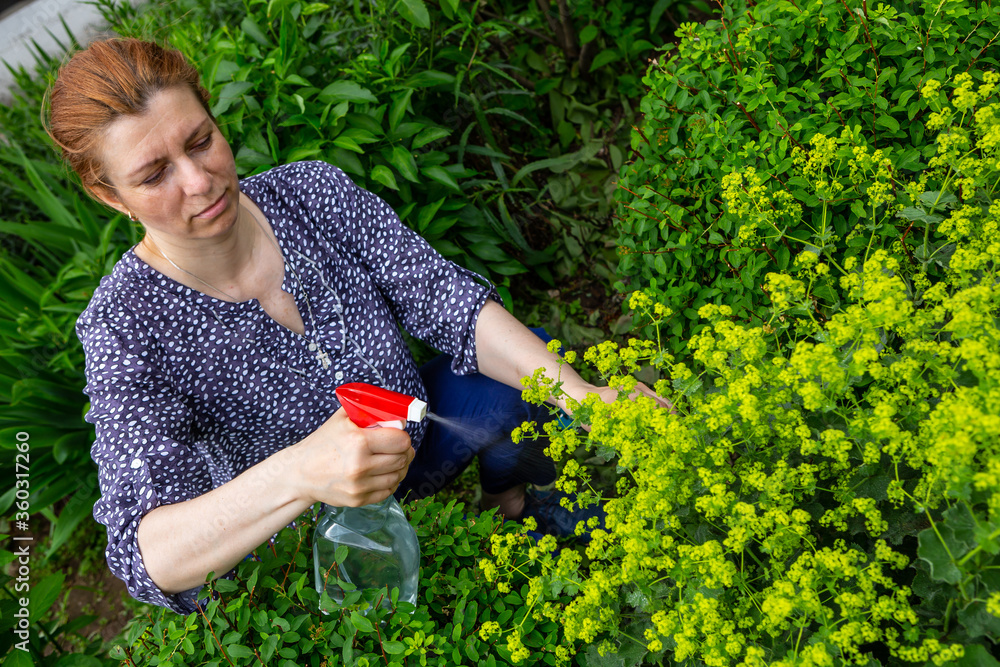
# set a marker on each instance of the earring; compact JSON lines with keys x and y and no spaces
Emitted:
{"x":131,"y":216}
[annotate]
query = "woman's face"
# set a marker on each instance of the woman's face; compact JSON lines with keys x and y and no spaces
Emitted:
{"x":172,"y":169}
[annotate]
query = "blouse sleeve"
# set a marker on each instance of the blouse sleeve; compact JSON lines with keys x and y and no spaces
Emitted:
{"x":433,"y":298}
{"x":142,"y":450}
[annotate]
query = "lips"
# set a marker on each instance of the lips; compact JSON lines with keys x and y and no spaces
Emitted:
{"x":215,"y":209}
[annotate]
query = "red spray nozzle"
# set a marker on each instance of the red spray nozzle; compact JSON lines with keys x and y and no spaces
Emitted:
{"x":368,"y":405}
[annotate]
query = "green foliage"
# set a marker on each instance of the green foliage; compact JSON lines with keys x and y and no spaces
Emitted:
{"x":418,"y":102}
{"x":27,"y":635}
{"x":56,"y":246}
{"x":364,"y":91}
{"x":584,"y":63}
{"x":269,"y":613}
{"x":827,"y":489}
{"x":741,"y":97}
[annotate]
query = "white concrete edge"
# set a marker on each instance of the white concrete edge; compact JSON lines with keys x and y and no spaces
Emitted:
{"x":34,"y":21}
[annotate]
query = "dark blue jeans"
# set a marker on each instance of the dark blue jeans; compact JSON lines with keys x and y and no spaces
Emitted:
{"x":480,"y":414}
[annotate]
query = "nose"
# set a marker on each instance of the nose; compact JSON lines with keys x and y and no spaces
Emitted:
{"x":195,"y":178}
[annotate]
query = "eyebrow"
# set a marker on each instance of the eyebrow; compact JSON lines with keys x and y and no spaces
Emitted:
{"x":146,"y":165}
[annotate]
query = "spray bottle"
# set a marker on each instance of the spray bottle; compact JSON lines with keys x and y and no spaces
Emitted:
{"x":382,"y":547}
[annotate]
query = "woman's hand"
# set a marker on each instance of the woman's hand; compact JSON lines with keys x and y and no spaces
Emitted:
{"x":610,"y":395}
{"x":347,"y":466}
{"x":338,"y":464}
{"x":579,"y":391}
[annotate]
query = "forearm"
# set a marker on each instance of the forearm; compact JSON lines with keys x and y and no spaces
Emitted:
{"x":338,"y":464}
{"x":508,"y":351}
{"x":183,"y":542}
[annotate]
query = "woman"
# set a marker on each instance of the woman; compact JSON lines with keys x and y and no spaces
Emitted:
{"x":214,"y":347}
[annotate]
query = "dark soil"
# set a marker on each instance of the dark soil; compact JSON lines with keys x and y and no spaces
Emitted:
{"x":100,"y":594}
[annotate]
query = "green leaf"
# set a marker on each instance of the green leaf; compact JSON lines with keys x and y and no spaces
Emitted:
{"x":400,"y":106}
{"x":429,"y":77}
{"x":253,"y":31}
{"x":296,"y":79}
{"x":247,"y":159}
{"x":589,"y":33}
{"x":79,"y":507}
{"x":489,"y":252}
{"x":894,"y":48}
{"x":604,"y":57}
{"x":49,"y":233}
{"x":225,"y":585}
{"x":428,"y":213}
{"x":918,"y":215}
{"x":238,"y":651}
{"x":348,"y":144}
{"x":403,"y":161}
{"x":657,"y":12}
{"x":382,"y":174}
{"x":348,"y":161}
{"x":429,"y":135}
{"x":302,"y":153}
{"x":314,"y":8}
{"x":978,"y":622}
{"x":18,"y":658}
{"x":556,"y":164}
{"x":229,"y":94}
{"x":511,"y":267}
{"x":361,"y":623}
{"x":449,"y":7}
{"x":510,"y":114}
{"x":346,"y":91}
{"x":446,"y":247}
{"x":933,"y":550}
{"x":415,"y":11}
{"x":593,"y":658}
{"x":442,"y":176}
{"x":340,"y":553}
{"x":43,"y":595}
{"x":935,"y":199}
{"x":390,"y":647}
{"x":782,"y":255}
{"x":888,"y":122}
{"x":976,"y":655}
{"x":268,"y":648}
{"x":963,"y":526}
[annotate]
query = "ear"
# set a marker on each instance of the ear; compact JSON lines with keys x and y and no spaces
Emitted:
{"x":108,"y":197}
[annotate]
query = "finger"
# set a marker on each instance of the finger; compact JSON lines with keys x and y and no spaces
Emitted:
{"x":388,"y":440}
{"x":380,"y":487}
{"x":642,"y":387}
{"x":382,"y":464}
{"x":370,"y":488}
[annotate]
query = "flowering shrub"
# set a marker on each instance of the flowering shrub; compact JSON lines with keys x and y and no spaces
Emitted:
{"x":718,"y":195}
{"x":827,"y":491}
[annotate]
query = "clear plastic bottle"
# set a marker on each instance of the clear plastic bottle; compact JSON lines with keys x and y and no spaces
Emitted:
{"x":382,"y":550}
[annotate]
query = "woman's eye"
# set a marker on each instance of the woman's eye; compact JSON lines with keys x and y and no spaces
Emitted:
{"x":154,"y":179}
{"x":204,"y":143}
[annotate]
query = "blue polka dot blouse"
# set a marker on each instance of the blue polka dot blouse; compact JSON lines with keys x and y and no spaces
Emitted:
{"x":188,"y":391}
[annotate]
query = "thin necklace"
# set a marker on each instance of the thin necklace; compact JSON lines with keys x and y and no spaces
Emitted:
{"x":321,"y":355}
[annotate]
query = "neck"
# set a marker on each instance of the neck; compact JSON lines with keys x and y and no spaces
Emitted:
{"x":222,"y":262}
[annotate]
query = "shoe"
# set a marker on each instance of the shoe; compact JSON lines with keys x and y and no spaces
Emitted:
{"x":554,"y":519}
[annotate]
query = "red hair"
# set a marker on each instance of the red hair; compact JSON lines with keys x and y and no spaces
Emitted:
{"x":107,"y":80}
